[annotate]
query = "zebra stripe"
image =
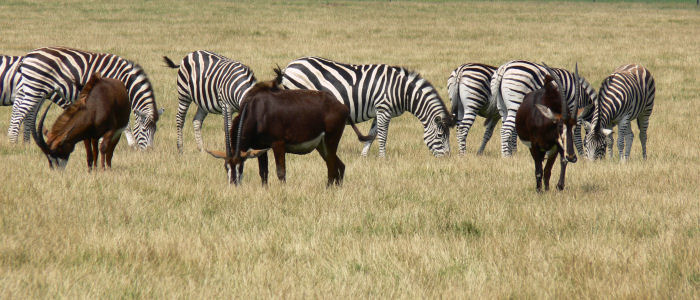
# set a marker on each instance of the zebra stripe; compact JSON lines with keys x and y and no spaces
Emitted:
{"x":209,"y":80}
{"x":627,"y":94}
{"x":9,"y":78}
{"x":513,"y":80}
{"x":65,"y":70}
{"x":469,"y":87}
{"x":376,"y":91}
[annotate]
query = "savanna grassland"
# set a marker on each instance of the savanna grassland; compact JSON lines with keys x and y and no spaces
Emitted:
{"x":167,"y":225}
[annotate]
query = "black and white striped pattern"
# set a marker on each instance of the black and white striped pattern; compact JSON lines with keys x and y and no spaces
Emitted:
{"x":65,"y":70}
{"x":9,"y":78}
{"x":513,"y":80}
{"x":376,"y":90}
{"x":627,"y":94}
{"x":209,"y":80}
{"x":469,"y":87}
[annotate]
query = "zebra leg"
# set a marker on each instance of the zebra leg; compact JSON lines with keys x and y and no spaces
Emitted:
{"x":23,"y":111}
{"x":624,"y":139}
{"x":490,"y":126}
{"x":463,"y":130}
{"x":197,"y":124}
{"x":183,"y":105}
{"x":643,"y":124}
{"x":383,"y":118}
{"x":368,"y":144}
{"x":507,"y":132}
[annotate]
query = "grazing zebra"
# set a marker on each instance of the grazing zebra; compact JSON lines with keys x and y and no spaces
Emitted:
{"x":469,"y":87}
{"x":513,"y":80}
{"x":625,"y":95}
{"x":65,"y":70}
{"x":207,"y":79}
{"x":376,"y":91}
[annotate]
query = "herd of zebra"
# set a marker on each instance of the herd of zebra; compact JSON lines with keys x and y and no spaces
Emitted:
{"x":373,"y":91}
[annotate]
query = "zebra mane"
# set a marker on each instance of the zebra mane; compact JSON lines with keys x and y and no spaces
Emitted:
{"x":134,"y":71}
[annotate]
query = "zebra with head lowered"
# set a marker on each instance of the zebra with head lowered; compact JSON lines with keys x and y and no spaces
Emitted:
{"x":64,"y":71}
{"x":469,"y":87}
{"x":376,"y":91}
{"x":627,"y":94}
{"x":513,"y":80}
{"x":214,"y":83}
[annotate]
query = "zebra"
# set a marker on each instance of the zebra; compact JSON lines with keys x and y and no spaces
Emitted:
{"x":469,"y":88}
{"x":376,"y":91}
{"x":627,"y":94}
{"x":513,"y":80}
{"x":64,"y":71}
{"x":210,"y":80}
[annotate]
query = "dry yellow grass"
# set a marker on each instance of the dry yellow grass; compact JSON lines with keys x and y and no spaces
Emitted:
{"x":166,"y":225}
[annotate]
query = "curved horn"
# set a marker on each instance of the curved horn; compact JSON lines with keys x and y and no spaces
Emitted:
{"x":564,"y":107}
{"x":227,"y":133}
{"x":39,"y":137}
{"x":240,"y":131}
{"x":577,"y":87}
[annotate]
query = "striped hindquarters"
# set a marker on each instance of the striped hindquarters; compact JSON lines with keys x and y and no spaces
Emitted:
{"x":207,"y":78}
{"x":9,"y":78}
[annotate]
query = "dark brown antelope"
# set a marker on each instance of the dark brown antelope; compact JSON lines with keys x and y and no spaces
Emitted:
{"x":545,"y":125}
{"x":102,"y":111}
{"x":286,"y":121}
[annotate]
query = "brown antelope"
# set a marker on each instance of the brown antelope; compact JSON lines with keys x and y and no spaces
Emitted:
{"x":102,"y":111}
{"x":545,"y":125}
{"x":287,"y":121}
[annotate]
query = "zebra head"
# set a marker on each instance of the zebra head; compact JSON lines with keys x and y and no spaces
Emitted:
{"x":145,"y":128}
{"x":427,"y":105}
{"x":596,"y":141}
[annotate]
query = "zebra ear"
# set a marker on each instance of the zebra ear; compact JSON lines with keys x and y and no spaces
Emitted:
{"x":587,"y":126}
{"x":605,"y":131}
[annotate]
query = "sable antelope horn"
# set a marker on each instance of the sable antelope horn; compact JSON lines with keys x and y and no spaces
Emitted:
{"x":577,"y":87}
{"x":227,"y":133}
{"x":38,"y":137}
{"x":240,"y":131}
{"x":564,"y":107}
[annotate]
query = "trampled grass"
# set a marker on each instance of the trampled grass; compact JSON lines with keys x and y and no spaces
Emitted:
{"x":166,"y":225}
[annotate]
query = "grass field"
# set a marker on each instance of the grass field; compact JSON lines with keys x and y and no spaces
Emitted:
{"x":164,"y":225}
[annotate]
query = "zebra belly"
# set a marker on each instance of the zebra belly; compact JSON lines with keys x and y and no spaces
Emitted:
{"x":305,"y":147}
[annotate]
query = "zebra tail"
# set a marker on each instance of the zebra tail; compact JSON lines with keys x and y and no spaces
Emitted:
{"x":169,"y":63}
{"x":496,"y":97}
{"x":360,"y":136}
{"x":453,"y":92}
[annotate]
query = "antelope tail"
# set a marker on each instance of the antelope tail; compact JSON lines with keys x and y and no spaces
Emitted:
{"x":360,"y":136}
